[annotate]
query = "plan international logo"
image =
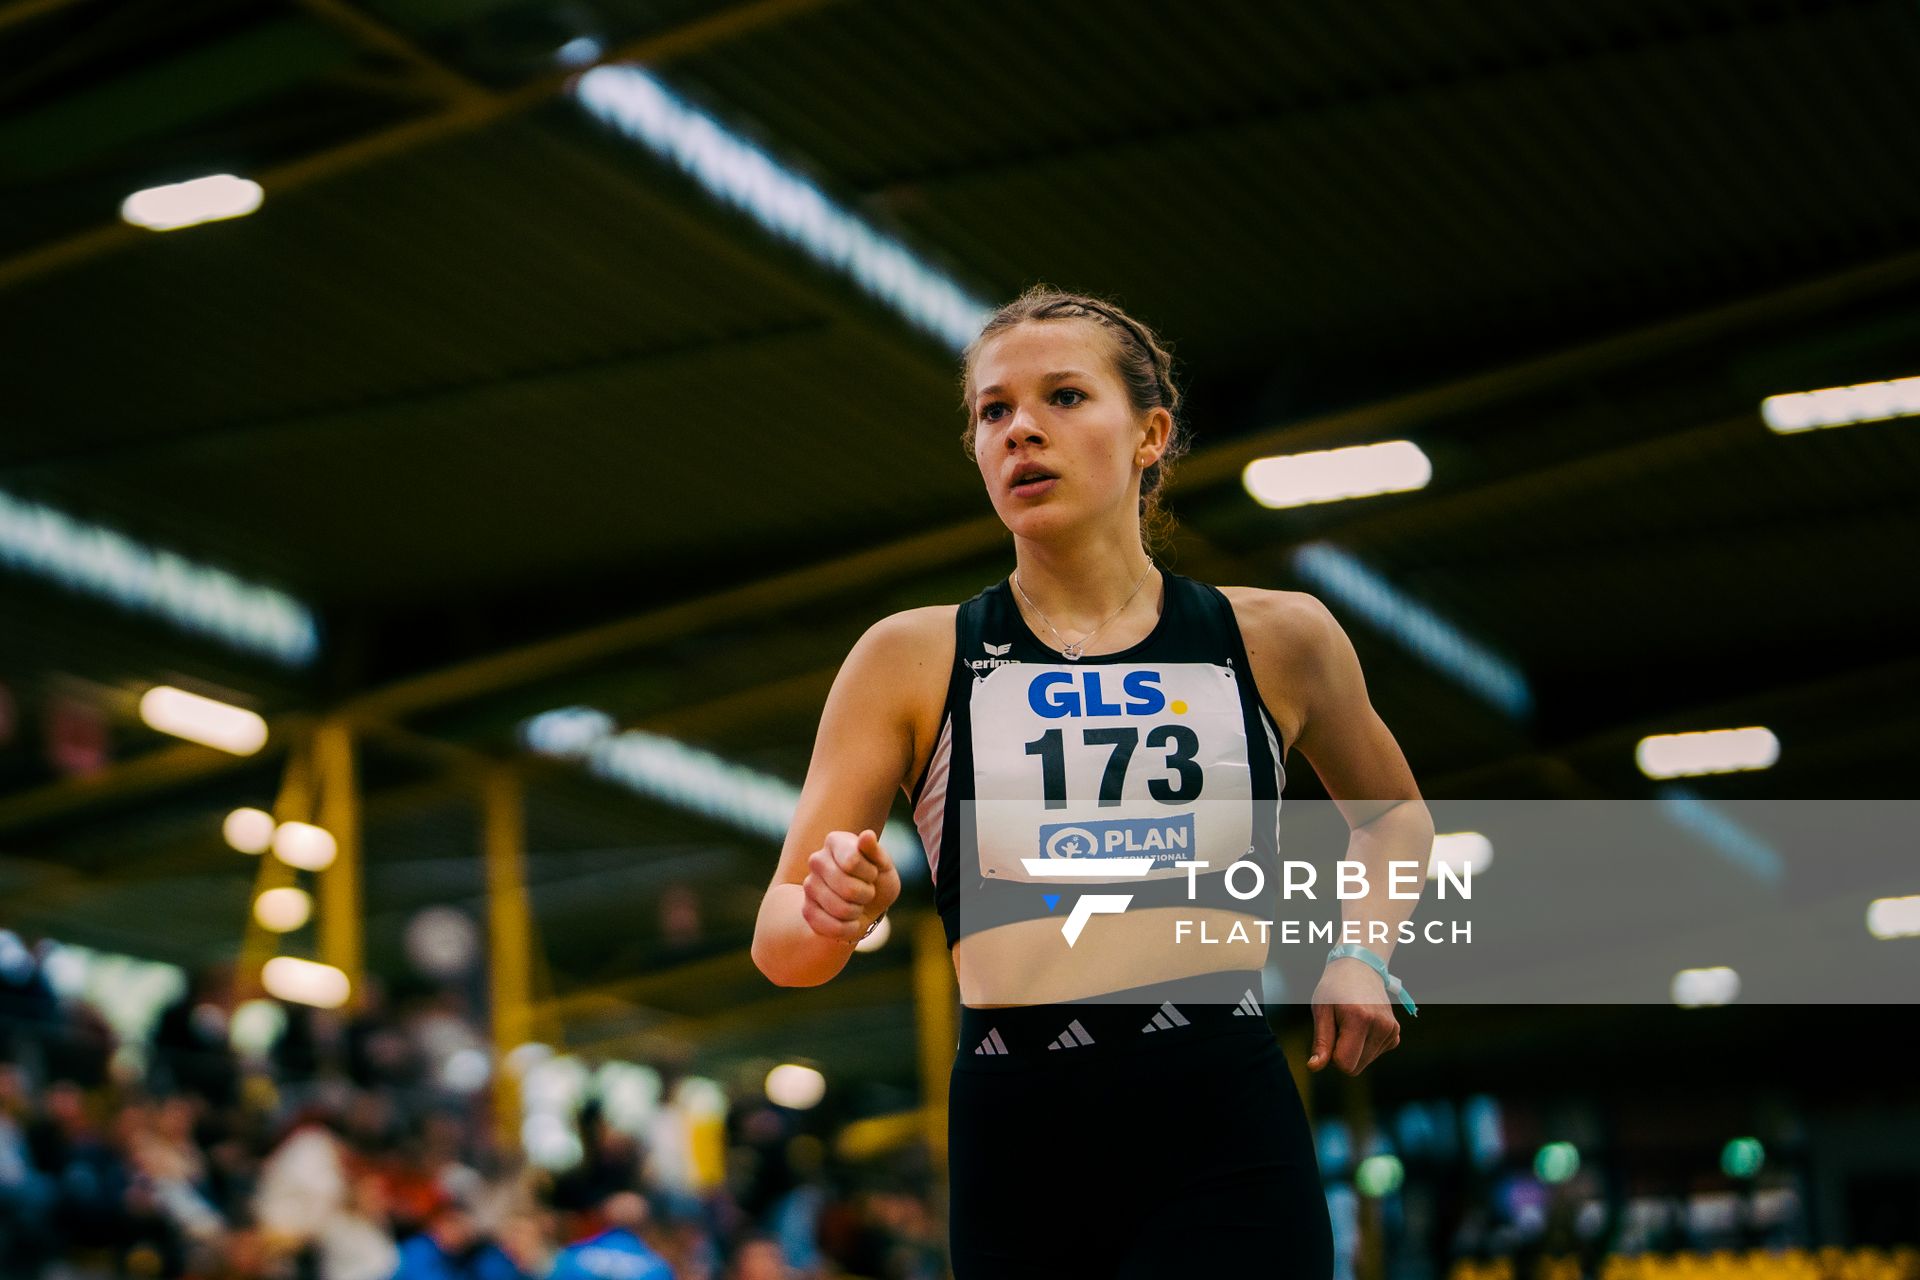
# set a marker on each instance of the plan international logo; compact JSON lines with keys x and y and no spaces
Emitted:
{"x":1163,"y":841}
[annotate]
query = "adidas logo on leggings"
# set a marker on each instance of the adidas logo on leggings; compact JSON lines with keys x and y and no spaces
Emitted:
{"x":1248,"y":1007}
{"x":1073,"y":1037}
{"x":1166,"y":1018}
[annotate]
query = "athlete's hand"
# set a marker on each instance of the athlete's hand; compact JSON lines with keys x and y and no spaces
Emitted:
{"x":850,"y":883}
{"x":1353,"y":1022}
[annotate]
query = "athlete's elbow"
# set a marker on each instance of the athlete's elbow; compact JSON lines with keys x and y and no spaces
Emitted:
{"x":784,"y":974}
{"x":767,"y":960}
{"x":777,"y":958}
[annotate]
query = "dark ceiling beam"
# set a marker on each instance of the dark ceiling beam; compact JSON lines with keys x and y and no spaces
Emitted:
{"x":1507,"y":495}
{"x":27,"y":10}
{"x":1366,"y":90}
{"x":1550,"y":762}
{"x":1225,"y":461}
{"x":447,"y":397}
{"x":470,"y":113}
{"x":727,"y":235}
{"x":56,"y":882}
{"x":715,"y":718}
{"x":164,"y":97}
{"x":434,"y":76}
{"x":174,"y":765}
{"x":498,"y":672}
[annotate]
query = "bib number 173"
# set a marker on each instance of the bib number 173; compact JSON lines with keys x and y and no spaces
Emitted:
{"x":1182,"y":746}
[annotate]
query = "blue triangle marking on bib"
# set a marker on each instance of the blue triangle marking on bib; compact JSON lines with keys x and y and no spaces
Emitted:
{"x":1052,"y":900}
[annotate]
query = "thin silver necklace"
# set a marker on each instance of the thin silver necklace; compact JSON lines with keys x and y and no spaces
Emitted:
{"x":1073,"y":651}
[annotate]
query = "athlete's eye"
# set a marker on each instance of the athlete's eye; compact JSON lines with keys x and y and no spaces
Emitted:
{"x":990,"y":413}
{"x":1071,"y":391}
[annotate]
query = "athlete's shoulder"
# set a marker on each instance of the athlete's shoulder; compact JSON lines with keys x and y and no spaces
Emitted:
{"x":907,"y":655}
{"x":1291,"y":623}
{"x":914,"y":630}
{"x":1276,"y":607}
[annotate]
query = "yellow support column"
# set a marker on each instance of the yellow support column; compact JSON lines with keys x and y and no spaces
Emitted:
{"x":934,"y":1004}
{"x":509,"y":938}
{"x":341,"y":906}
{"x":1371,"y":1261}
{"x":294,"y":803}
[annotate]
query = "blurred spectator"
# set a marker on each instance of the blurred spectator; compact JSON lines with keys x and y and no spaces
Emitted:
{"x":617,"y":1252}
{"x":26,"y":1194}
{"x":330,"y":1156}
{"x":759,"y":1258}
{"x":191,"y":1051}
{"x":379,"y":1053}
{"x":452,"y":1247}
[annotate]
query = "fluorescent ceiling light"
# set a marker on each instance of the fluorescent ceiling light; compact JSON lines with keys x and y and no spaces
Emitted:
{"x":203,"y":720}
{"x":249,"y":830}
{"x":1894,"y":917}
{"x":305,"y":982}
{"x":740,"y":173}
{"x":1330,"y":475}
{"x":1699,"y":988}
{"x":685,"y":777}
{"x":194,"y":597}
{"x":580,"y":51}
{"x":1467,"y":853}
{"x":1414,"y":626}
{"x":283,"y":910}
{"x":187,"y":204}
{"x":795,"y":1087}
{"x":1683,"y":755}
{"x":1842,"y":406}
{"x":303,"y":845}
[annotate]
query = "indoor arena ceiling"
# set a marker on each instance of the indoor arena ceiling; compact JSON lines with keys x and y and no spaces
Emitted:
{"x":530,"y":419}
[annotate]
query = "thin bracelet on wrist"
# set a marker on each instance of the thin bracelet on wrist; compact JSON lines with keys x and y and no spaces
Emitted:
{"x":1395,"y":988}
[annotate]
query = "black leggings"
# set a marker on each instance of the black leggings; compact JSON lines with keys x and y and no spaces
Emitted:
{"x":1180,"y":1152}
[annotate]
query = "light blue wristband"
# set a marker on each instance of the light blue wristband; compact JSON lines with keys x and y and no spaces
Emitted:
{"x":1354,"y":951}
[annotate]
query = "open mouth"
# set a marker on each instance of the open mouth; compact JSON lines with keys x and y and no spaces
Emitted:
{"x":1033,"y":482}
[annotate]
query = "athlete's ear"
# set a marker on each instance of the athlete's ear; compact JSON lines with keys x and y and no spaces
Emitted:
{"x":1156,"y":428}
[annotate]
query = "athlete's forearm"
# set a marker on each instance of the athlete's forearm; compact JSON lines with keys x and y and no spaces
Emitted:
{"x":787,"y":949}
{"x":1403,"y":834}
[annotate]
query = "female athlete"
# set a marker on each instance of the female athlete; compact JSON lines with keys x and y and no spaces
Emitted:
{"x":1118,"y":1106}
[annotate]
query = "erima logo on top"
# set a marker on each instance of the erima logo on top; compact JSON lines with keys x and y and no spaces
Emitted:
{"x":1057,"y":694}
{"x":996,"y":657}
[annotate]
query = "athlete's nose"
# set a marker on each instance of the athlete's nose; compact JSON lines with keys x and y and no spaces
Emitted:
{"x":1025,"y":429}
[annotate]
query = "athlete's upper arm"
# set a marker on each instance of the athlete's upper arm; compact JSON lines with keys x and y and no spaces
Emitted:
{"x":866,"y":743}
{"x":1341,"y":734}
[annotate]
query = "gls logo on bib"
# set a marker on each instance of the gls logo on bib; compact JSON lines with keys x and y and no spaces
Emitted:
{"x":1056,"y":694}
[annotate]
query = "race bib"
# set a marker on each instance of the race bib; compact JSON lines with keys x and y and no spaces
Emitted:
{"x":1111,"y":772}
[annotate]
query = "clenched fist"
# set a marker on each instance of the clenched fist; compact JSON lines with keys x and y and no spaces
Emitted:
{"x":850,"y":883}
{"x":1353,"y":1021}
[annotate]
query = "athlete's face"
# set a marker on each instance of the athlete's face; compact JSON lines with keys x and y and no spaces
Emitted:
{"x":1047,"y":397}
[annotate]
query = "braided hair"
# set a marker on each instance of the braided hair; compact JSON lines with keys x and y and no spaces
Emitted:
{"x":1144,"y":366}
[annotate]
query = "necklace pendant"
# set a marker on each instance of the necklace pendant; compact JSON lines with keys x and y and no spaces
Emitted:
{"x":1072,"y":652}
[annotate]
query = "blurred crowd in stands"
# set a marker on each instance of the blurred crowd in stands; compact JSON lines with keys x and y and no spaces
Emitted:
{"x":340,"y":1153}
